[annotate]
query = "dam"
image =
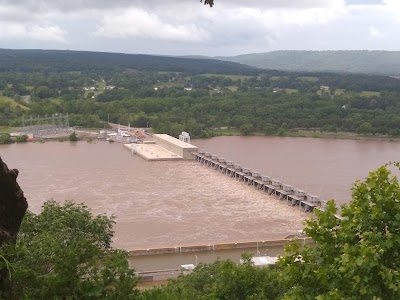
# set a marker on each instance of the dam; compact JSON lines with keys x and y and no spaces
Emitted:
{"x":281,"y":191}
{"x":164,"y":147}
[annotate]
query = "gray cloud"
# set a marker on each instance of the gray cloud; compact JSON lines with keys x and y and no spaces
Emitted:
{"x":188,"y":27}
{"x":364,"y":2}
{"x":74,"y":5}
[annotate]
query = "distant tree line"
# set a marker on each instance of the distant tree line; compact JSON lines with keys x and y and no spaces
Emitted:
{"x":271,"y":103}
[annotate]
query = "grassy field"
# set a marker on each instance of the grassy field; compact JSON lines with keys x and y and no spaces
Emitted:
{"x":232,"y":88}
{"x":339,"y":92}
{"x":13,"y":103}
{"x":4,"y":129}
{"x":101,"y":88}
{"x":56,"y":100}
{"x":291,"y":91}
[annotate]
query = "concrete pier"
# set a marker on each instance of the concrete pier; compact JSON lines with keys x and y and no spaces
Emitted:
{"x":163,"y":147}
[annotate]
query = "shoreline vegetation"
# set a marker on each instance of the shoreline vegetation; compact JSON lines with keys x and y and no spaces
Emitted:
{"x":310,"y":134}
{"x":225,"y":131}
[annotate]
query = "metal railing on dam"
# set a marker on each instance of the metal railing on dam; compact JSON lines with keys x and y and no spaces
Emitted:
{"x":282,"y":192}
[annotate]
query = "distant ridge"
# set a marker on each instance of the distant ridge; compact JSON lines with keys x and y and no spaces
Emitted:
{"x":85,"y":61}
{"x":352,"y":61}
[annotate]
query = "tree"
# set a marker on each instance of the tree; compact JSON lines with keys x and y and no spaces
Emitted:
{"x":223,"y":280}
{"x":246,"y":129}
{"x":364,"y":128}
{"x":208,"y":2}
{"x":356,"y":256}
{"x":72,"y":137}
{"x":21,"y":138}
{"x":6,"y":139}
{"x":65,"y":253}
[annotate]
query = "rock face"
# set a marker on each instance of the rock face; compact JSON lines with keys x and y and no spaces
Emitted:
{"x":13,"y":204}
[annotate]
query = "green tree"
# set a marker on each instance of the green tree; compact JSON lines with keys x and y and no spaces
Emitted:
{"x":6,"y":139}
{"x":246,"y":129}
{"x":43,"y":92}
{"x":355,"y":256}
{"x":270,"y":129}
{"x":223,"y":280}
{"x":21,"y":138}
{"x":65,"y":253}
{"x":72,"y":137}
{"x":364,"y":128}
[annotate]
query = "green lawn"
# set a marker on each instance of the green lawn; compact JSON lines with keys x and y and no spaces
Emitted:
{"x":56,"y":100}
{"x":291,"y":91}
{"x":339,"y":92}
{"x":232,"y":88}
{"x":4,"y":129}
{"x":370,"y":94}
{"x":4,"y":99}
{"x":101,"y":88}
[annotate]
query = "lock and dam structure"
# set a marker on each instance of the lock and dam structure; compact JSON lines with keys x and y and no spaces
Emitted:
{"x":166,"y":147}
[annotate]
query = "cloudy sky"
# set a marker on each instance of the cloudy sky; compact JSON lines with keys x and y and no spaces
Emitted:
{"x":180,"y":27}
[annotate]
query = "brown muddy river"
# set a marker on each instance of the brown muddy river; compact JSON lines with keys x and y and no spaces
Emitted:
{"x":325,"y":167}
{"x":156,"y":203}
{"x":181,"y":203}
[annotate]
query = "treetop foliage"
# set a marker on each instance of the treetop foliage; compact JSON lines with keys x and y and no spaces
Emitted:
{"x":357,"y":256}
{"x":65,"y":253}
{"x":208,"y":2}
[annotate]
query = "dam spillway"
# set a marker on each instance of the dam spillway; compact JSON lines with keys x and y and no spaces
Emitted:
{"x":282,"y":192}
{"x":164,"y":147}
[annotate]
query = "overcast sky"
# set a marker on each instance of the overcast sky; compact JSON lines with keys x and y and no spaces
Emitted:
{"x":180,"y":27}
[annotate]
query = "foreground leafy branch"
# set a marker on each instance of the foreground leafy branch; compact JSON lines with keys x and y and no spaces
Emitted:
{"x":208,"y":2}
{"x":65,"y":253}
{"x":357,"y":257}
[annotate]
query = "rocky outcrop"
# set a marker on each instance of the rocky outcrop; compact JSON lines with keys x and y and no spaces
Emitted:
{"x":13,"y":204}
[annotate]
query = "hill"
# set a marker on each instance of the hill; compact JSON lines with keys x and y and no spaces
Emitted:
{"x":366,"y":62}
{"x":84,"y":61}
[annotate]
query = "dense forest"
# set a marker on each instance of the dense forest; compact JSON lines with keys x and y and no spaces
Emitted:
{"x":367,"y":62}
{"x":84,"y":61}
{"x":272,"y":102}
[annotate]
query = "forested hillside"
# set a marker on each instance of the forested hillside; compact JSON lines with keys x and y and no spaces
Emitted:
{"x":94,"y":87}
{"x":202,"y":104}
{"x":83,"y":61}
{"x":366,"y":62}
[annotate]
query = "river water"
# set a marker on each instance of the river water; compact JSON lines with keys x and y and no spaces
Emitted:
{"x":325,"y":167}
{"x":167,"y":204}
{"x":156,"y":203}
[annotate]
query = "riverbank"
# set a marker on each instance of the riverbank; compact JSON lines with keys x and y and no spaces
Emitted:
{"x":85,"y":133}
{"x":309,"y":134}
